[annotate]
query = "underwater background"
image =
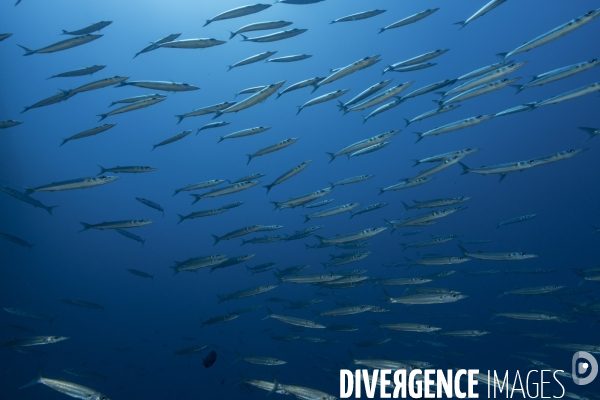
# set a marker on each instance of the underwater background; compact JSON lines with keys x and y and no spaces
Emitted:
{"x":144,"y":321}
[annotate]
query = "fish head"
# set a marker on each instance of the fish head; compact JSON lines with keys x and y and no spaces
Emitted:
{"x":105,"y":178}
{"x":55,"y":339}
{"x":140,"y":222}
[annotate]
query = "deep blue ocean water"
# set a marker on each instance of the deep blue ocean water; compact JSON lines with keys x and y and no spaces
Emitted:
{"x":144,"y":321}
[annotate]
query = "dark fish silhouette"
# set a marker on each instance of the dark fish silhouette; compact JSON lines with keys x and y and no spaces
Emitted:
{"x":210,"y":359}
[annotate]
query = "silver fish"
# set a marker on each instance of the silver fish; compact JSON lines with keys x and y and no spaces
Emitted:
{"x":246,"y":293}
{"x":132,"y":107}
{"x":136,"y":99}
{"x":205,"y":110}
{"x":409,"y":20}
{"x":433,"y":113}
{"x":454,"y":126}
{"x":229,"y":189}
{"x":481,"y":12}
{"x":515,"y":220}
{"x":415,"y":60}
{"x":514,"y":256}
{"x":296,"y":57}
{"x":349,"y":69}
{"x":260,"y":26}
{"x":302,"y":84}
{"x":236,"y":233}
{"x":167,"y":86}
{"x":82,"y":183}
{"x":151,"y":204}
{"x":252,"y":59}
{"x":278,"y":146}
{"x":289,"y":174}
{"x":322,"y":99}
{"x":202,"y":185}
{"x":273,"y":37}
{"x":29,"y":314}
{"x":238,"y":12}
{"x":359,"y":16}
{"x":197,"y":43}
{"x":127,"y":224}
{"x":363,"y":144}
{"x":295,"y":321}
{"x":405,"y":184}
{"x":88,"y":29}
{"x":79,"y":72}
{"x":62,"y":45}
{"x":134,"y":169}
{"x":557,"y":74}
{"x":16,"y":240}
{"x":172,"y":139}
{"x":68,"y":388}
{"x":89,"y":132}
{"x":156,"y":45}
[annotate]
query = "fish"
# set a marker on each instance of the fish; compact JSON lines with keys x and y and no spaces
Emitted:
{"x":363,"y":144}
{"x":167,"y":86}
{"x":189,"y":350}
{"x":294,"y":202}
{"x":16,"y":240}
{"x":26,"y":199}
{"x":323,"y":98}
{"x":309,"y":279}
{"x":435,"y":203}
{"x":79,"y":72}
{"x":554,"y":34}
{"x":205,"y":110}
{"x":358,"y":16}
{"x":302,"y":84}
{"x":345,"y":311}
{"x":592,"y":132}
{"x":260,"y":26}
{"x":415,"y":60}
{"x":278,"y":146}
{"x":293,"y":58}
{"x":530,"y":316}
{"x":369,"y":149}
{"x":219,"y":320}
{"x":130,"y":235}
{"x":365,"y":94}
{"x":351,"y":237}
{"x":99,"y":84}
{"x":454,"y":126}
{"x":273,"y":37}
{"x":295,"y":321}
{"x":89,"y":132}
{"x":304,"y":233}
{"x":200,"y":214}
{"x":83,"y":304}
{"x":264,"y":239}
{"x":408,"y":327}
{"x":349,"y":69}
{"x":232,"y":261}
{"x":451,"y":260}
{"x":236,"y":233}
{"x":244,"y":132}
{"x":270,"y":361}
{"x":378,"y":99}
{"x":318,"y":204}
{"x":252,"y":59}
{"x":212,"y":125}
{"x":534,"y":290}
{"x":57,"y":98}
{"x":502,"y":169}
{"x":423,"y":299}
{"x":137,"y":98}
{"x":481,"y":12}
{"x":445,"y":156}
{"x":141,"y":274}
{"x":252,"y":100}
{"x":127,"y":224}
{"x":202,"y":185}
{"x":155,"y":45}
{"x":29,"y":314}
{"x":133,"y":169}
{"x":196,"y":43}
{"x":62,"y":45}
{"x":4,"y":36}
{"x":514,"y":110}
{"x":68,"y":388}
{"x":331,"y":211}
{"x":479,"y":91}
{"x":9,"y":123}
{"x":557,"y":74}
{"x":415,"y":67}
{"x":210,"y":359}
{"x":246,"y":293}
{"x":368,"y":208}
{"x":497,"y":256}
{"x":409,"y":20}
{"x":132,"y":107}
{"x":433,"y":113}
{"x":172,"y":139}
{"x":485,"y":78}
{"x":439,"y":167}
{"x":426,"y":242}
{"x":515,"y":220}
{"x":88,"y":29}
{"x":229,"y":189}
{"x":429,"y":88}
{"x":245,"y":310}
{"x":383,"y":108}
{"x":151,"y":204}
{"x":238,"y":12}
{"x":354,"y":257}
{"x":405,"y":184}
{"x":572,"y":94}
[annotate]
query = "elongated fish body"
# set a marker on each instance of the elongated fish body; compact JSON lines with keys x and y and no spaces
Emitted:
{"x":366,"y":93}
{"x":359,"y":255}
{"x":425,"y":243}
{"x":268,"y":228}
{"x":383,"y":364}
{"x":409,"y":20}
{"x":415,"y":60}
{"x":435,"y":203}
{"x":262,"y":360}
{"x":354,"y":179}
{"x":433,"y":113}
{"x":260,"y":26}
{"x":352,"y":237}
{"x":89,"y":29}
{"x":198,"y":43}
{"x":369,"y":208}
{"x":337,"y":312}
{"x":229,"y":189}
{"x":322,"y":99}
{"x":454,"y":126}
{"x":486,"y":78}
{"x":252,"y":100}
{"x":479,"y":90}
{"x":318,"y":204}
{"x":190,"y":350}
{"x":299,"y":2}
{"x":254,"y":89}
{"x":359,"y":16}
{"x":482,"y":71}
{"x":172,"y":139}
{"x":332,"y":211}
{"x":515,"y":220}
{"x":202,"y":185}
{"x":383,"y":108}
{"x":288,"y":174}
{"x":296,"y":321}
{"x":16,"y":240}
{"x":206,"y":110}
{"x":415,"y":67}
{"x":135,"y":99}
{"x":68,"y":388}
{"x":219,"y":320}
{"x":410,"y":327}
{"x":402,"y":282}
{"x":559,"y":156}
{"x":26,"y":199}
{"x":81,"y":183}
{"x":89,"y":132}
{"x":200,"y":214}
{"x":238,"y":12}
{"x":302,"y":84}
{"x":572,"y":94}
{"x":349,"y":69}
{"x":286,"y":59}
{"x":414,"y":299}
{"x":246,"y":293}
{"x":156,"y":45}
{"x":233,"y":261}
{"x":4,"y":36}
{"x":79,"y":72}
{"x":514,"y":110}
{"x":534,"y":290}
{"x":212,"y":125}
{"x":102,"y":83}
{"x":406,"y":183}
{"x":445,"y":156}
{"x":151,"y":204}
{"x":278,"y":146}
{"x":515,"y":256}
{"x":273,"y":37}
{"x":481,"y":12}
{"x":424,"y":219}
{"x":439,"y":167}
{"x":252,"y":59}
{"x":237,"y":233}
{"x":369,"y":149}
{"x":301,"y":200}
{"x":533,"y":316}
{"x":134,"y":169}
{"x":29,"y":314}
{"x":9,"y":124}
{"x":380,"y":98}
{"x":83,"y":304}
{"x":250,"y":177}
{"x":244,"y":132}
{"x":196,"y":264}
{"x":262,"y":240}
{"x":554,"y":34}
{"x":62,"y":45}
{"x":135,"y":237}
{"x":430,"y":88}
{"x":161,"y":85}
{"x":57,"y":98}
{"x":132,"y":107}
{"x":85,"y":374}
{"x":502,"y":169}
{"x":559,"y":73}
{"x":116,"y":224}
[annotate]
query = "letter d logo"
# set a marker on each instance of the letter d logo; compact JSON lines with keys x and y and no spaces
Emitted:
{"x":583,"y":367}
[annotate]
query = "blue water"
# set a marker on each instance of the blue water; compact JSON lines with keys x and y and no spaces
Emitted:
{"x":149,"y":318}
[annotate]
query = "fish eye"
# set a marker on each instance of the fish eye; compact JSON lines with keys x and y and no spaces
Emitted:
{"x":454,"y":296}
{"x":589,"y":13}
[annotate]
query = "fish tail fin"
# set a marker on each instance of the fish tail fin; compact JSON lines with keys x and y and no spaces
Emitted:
{"x":25,"y":110}
{"x":502,"y":55}
{"x":268,"y":187}
{"x":217,"y":239}
{"x":442,"y":94}
{"x":306,"y":218}
{"x":590,"y":131}
{"x":64,"y":141}
{"x":249,"y":158}
{"x":102,"y":169}
{"x":276,"y":204}
{"x":417,"y":162}
{"x":342,"y":107}
{"x":407,"y":122}
{"x":243,"y":243}
{"x":64,"y":32}
{"x":28,"y":52}
{"x":406,"y":206}
{"x":420,"y":135}
{"x":268,"y":316}
{"x":85,"y":226}
{"x":331,"y":155}
{"x":28,"y":190}
{"x":461,"y":23}
{"x":278,"y":95}
{"x":179,"y":118}
{"x":222,"y":298}
{"x":466,"y":169}
{"x":221,"y":138}
{"x":112,"y":104}
{"x":102,"y":116}
{"x":244,"y":36}
{"x":49,"y":209}
{"x":518,"y":87}
{"x":404,"y":246}
{"x":365,"y":119}
{"x":381,"y":30}
{"x":196,"y":198}
{"x":232,"y":34}
{"x":229,"y":68}
{"x":181,"y":218}
{"x":321,"y":238}
{"x":462,"y":249}
{"x":36,"y":379}
{"x":208,"y":21}
{"x":299,"y":110}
